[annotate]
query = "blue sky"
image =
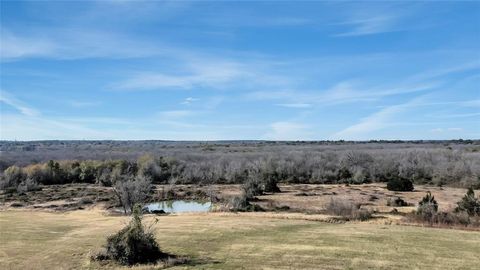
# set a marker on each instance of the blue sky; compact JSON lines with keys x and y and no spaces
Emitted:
{"x":239,"y":70}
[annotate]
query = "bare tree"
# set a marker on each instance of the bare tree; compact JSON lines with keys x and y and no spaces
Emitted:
{"x":131,"y":192}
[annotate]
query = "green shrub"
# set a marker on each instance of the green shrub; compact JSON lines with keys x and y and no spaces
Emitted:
{"x":134,"y":244}
{"x":399,"y":184}
{"x":252,"y":188}
{"x":469,"y":203}
{"x":270,"y":180}
{"x":427,"y":207}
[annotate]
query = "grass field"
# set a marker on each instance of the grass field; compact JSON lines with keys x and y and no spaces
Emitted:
{"x":41,"y":240}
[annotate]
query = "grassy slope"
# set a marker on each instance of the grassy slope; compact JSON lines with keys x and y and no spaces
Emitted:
{"x":36,"y":240}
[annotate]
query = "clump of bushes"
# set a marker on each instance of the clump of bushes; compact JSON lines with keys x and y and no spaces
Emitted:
{"x":15,"y":179}
{"x":133,"y":244}
{"x":428,"y":212}
{"x":397,"y":202}
{"x":11,"y":178}
{"x":469,"y":204}
{"x":270,"y":180}
{"x":399,"y":184}
{"x":347,"y":210}
{"x":242,"y":204}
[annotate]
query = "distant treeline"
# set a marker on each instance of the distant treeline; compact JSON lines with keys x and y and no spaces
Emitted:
{"x":23,"y":153}
{"x":196,"y":163}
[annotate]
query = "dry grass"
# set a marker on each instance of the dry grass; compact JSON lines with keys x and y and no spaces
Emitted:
{"x":41,"y":240}
{"x":318,"y":196}
{"x":300,"y":197}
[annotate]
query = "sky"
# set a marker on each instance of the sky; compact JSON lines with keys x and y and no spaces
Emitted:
{"x":224,"y":70}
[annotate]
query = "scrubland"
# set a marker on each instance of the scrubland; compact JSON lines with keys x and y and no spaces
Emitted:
{"x":283,"y":205}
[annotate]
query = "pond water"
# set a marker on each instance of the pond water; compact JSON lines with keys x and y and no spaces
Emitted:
{"x":180,"y":206}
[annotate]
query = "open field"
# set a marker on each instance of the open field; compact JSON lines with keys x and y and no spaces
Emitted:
{"x":41,"y":240}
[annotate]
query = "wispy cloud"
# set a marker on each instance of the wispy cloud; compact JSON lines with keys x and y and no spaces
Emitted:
{"x":295,"y":105}
{"x":194,"y":72}
{"x":189,"y":100}
{"x":8,"y":99}
{"x":457,"y":115}
{"x":442,"y":130}
{"x":368,"y":26}
{"x":343,"y":92}
{"x":369,"y":125}
{"x":17,"y":47}
{"x":383,"y":17}
{"x":73,"y":43}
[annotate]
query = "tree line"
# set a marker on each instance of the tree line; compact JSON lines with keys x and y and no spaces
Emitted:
{"x":421,"y":166}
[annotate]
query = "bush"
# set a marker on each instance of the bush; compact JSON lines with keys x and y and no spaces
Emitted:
{"x":134,"y":244}
{"x":446,"y":218}
{"x":347,"y":209}
{"x":469,"y":203}
{"x":427,"y":207}
{"x":12,"y":177}
{"x":252,"y":188}
{"x":270,"y":180}
{"x":400,"y":184}
{"x":28,"y":185}
{"x":241,"y":204}
{"x":398,"y":202}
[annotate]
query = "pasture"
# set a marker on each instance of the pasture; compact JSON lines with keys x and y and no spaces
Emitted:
{"x":43,"y":240}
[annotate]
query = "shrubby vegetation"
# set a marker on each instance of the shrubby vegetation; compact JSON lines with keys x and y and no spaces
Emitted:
{"x":428,"y":206}
{"x":465,"y":214}
{"x":469,"y":204}
{"x":132,"y":192}
{"x":400,"y":184}
{"x":347,"y":209}
{"x":106,"y":163}
{"x":397,"y":202}
{"x":134,"y":244}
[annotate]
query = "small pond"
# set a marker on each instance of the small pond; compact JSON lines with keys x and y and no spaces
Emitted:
{"x":179,"y":206}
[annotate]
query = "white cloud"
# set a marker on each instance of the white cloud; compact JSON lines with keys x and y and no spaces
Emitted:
{"x":343,"y":92}
{"x":74,"y":43}
{"x":443,"y":130}
{"x":455,"y":129}
{"x":23,"y":127}
{"x":379,"y":18}
{"x":372,"y":25}
{"x":18,"y":47}
{"x":8,"y":99}
{"x":189,"y":100}
{"x":367,"y":126}
{"x":207,"y":72}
